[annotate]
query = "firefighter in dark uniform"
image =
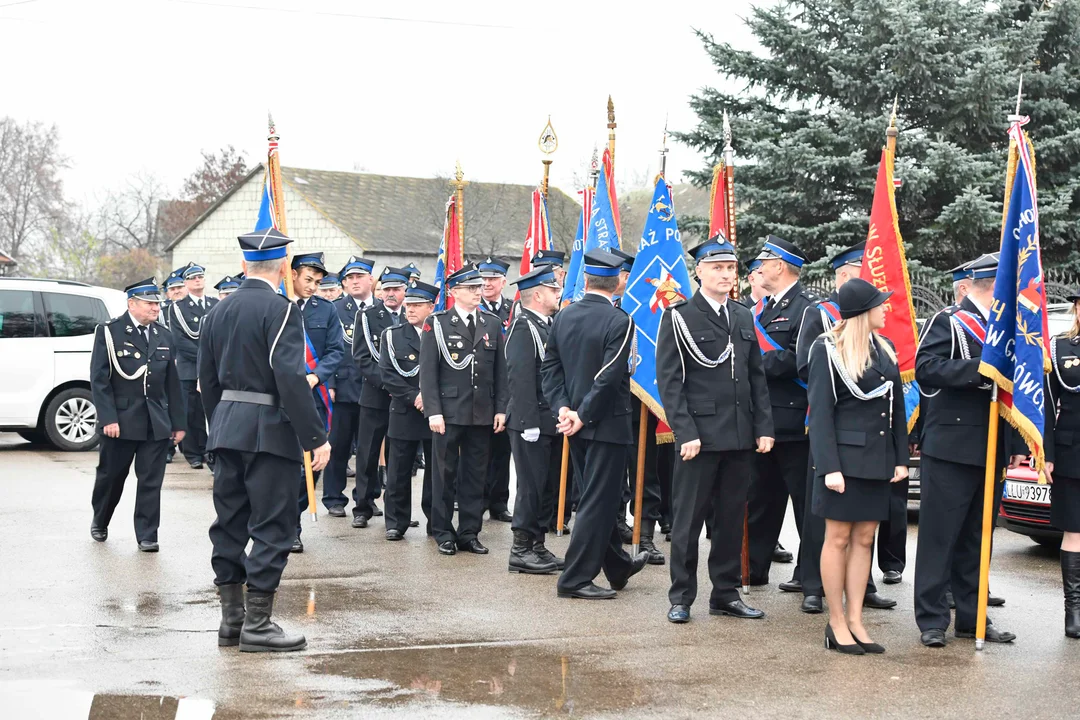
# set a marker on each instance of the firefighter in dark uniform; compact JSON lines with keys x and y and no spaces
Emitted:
{"x":174,"y":290}
{"x":497,"y":483}
{"x":413,"y":271}
{"x":399,"y":362}
{"x":819,"y":318}
{"x":185,"y":322}
{"x":586,"y":376}
{"x":262,"y":416}
{"x":713,"y":388}
{"x":374,"y":398}
{"x":357,"y":282}
{"x":330,"y":287}
{"x":227,"y":285}
{"x":140,"y":411}
{"x":783,"y":471}
{"x":553,"y":260}
{"x":324,"y":331}
{"x":530,"y":423}
{"x":463,"y":382}
{"x":955,"y":427}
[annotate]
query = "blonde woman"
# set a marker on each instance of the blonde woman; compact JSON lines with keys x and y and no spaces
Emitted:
{"x":858,"y":439}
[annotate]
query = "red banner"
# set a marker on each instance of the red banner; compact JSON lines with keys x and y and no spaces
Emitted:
{"x":718,"y":203}
{"x":538,"y":237}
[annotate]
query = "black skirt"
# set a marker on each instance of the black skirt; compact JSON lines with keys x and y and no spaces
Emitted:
{"x":1065,"y":503}
{"x":862,"y":500}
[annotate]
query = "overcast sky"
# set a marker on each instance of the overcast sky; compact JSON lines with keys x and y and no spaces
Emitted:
{"x":402,"y":88}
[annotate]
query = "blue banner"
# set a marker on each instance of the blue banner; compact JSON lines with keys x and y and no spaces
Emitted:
{"x":574,"y":271}
{"x":659,"y":278}
{"x":440,"y":276}
{"x":601,"y":232}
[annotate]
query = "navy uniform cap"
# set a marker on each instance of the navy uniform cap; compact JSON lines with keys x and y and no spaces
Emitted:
{"x":542,"y":275}
{"x":394,"y":277}
{"x":191,"y":270}
{"x":175,"y":279}
{"x":983,"y":267}
{"x":228,"y":282}
{"x":851,"y":256}
{"x":312,"y":260}
{"x":491,"y":267}
{"x":421,"y":292}
{"x":144,"y":290}
{"x":330,"y":280}
{"x":414,"y":272}
{"x":858,"y":296}
{"x":357,"y":266}
{"x":1074,"y":296}
{"x":549,"y":257}
{"x":467,"y":276}
{"x":715,"y":249}
{"x":269,"y":244}
{"x":601,"y":263}
{"x":753,"y":265}
{"x":627,"y":258}
{"x":776,"y":248}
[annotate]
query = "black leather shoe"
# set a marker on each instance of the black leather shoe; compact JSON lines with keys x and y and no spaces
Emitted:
{"x":992,"y":634}
{"x":208,"y":460}
{"x":448,"y":548}
{"x":474,"y":547}
{"x":501,"y":515}
{"x":950,"y":600}
{"x":335,"y":511}
{"x":168,"y":458}
{"x":791,"y":585}
{"x":540,"y":549}
{"x":297,"y":546}
{"x":148,"y":546}
{"x":892,"y":577}
{"x":414,"y":523}
{"x":349,"y":472}
{"x":359,"y":521}
{"x":811,"y":605}
{"x":994,"y":601}
{"x":877,"y":602}
{"x":780,"y":555}
{"x":382,"y":477}
{"x":933,"y":638}
{"x":197,"y":463}
{"x":679,"y":614}
{"x":735,"y":608}
{"x":665,"y":527}
{"x":394,"y":534}
{"x":636,"y":563}
{"x":654,"y":556}
{"x":375,"y":511}
{"x":99,"y":533}
{"x":588,"y":592}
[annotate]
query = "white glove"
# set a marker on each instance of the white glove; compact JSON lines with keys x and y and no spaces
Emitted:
{"x":531,"y":434}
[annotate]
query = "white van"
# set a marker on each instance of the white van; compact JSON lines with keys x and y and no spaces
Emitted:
{"x":46,"y":337}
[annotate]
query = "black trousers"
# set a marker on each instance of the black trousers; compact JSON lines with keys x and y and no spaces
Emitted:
{"x":892,"y":534}
{"x":713,"y":483}
{"x":397,"y":504}
{"x":497,"y":484}
{"x":650,"y":503}
{"x":342,"y":438}
{"x":537,"y":465}
{"x":779,"y":473}
{"x":469,"y":444}
{"x":255,"y":498}
{"x":194,"y":443}
{"x":114,"y":464}
{"x":595,"y":544}
{"x":665,"y":470}
{"x":950,"y":536}
{"x":372,"y":430}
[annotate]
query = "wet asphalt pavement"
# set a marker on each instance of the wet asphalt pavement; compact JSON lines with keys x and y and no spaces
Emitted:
{"x":395,"y":630}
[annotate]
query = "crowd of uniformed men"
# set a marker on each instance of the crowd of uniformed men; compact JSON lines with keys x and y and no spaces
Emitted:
{"x":361,"y":365}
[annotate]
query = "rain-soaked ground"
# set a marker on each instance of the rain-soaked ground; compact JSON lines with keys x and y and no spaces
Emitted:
{"x":396,"y":630}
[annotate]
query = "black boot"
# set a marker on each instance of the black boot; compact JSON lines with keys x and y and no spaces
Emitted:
{"x":232,"y":614}
{"x":1070,"y":579}
{"x":655,"y":557}
{"x":260,"y":634}
{"x":523,"y":559}
{"x":625,"y":533}
{"x":546,"y":555}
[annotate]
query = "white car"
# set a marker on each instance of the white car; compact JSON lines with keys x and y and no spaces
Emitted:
{"x":46,"y":337}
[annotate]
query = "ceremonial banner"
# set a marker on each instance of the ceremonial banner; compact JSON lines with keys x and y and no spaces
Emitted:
{"x":719,"y":203}
{"x":885,"y":266}
{"x":658,"y":279}
{"x":538,"y":236}
{"x":574,"y":271}
{"x":1015,"y":352}
{"x":602,"y":231}
{"x":451,"y":258}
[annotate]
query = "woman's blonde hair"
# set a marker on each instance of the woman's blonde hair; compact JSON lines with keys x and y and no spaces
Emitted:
{"x":1075,"y":329}
{"x":850,"y":337}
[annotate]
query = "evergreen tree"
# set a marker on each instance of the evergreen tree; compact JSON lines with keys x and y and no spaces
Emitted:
{"x":809,"y":120}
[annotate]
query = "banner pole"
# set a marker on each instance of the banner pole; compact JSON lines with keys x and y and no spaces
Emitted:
{"x":639,"y":485}
{"x":988,"y":520}
{"x":562,"y":486}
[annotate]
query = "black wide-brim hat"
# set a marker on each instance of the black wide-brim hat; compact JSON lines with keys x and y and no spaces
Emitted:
{"x":858,"y":296}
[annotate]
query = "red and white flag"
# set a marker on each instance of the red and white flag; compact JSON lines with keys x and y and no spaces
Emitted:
{"x":538,"y":236}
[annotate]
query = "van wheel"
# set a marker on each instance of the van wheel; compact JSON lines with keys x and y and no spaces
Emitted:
{"x":71,"y":419}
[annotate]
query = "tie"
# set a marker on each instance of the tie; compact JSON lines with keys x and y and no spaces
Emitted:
{"x":300,"y":304}
{"x":469,"y":323}
{"x":769,"y":304}
{"x":722,"y":313}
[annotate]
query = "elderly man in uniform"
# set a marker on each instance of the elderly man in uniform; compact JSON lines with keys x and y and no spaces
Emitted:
{"x":262,"y":416}
{"x":497,"y":482}
{"x":586,"y":375}
{"x":330,"y":287}
{"x":140,"y":411}
{"x":463,"y":384}
{"x":185,"y":322}
{"x":324,"y":333}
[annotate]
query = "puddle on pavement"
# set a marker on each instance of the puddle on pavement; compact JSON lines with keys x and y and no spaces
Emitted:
{"x":530,"y":677}
{"x":63,"y":704}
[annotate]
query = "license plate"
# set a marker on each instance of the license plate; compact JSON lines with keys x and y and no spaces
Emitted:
{"x":1027,"y":492}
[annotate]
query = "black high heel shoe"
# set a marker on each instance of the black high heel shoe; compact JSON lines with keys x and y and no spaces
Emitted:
{"x":870,"y":648}
{"x":831,"y":644}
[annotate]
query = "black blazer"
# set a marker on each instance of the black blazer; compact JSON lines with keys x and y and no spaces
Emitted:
{"x":726,"y":407}
{"x":506,"y":307}
{"x":254,"y":341}
{"x":860,"y":438}
{"x":406,"y":422}
{"x":783,"y":323}
{"x":327,"y":337}
{"x":347,"y":379}
{"x":476,"y":393}
{"x":1062,"y":433}
{"x":185,"y":322}
{"x":527,"y":408}
{"x":373,"y":394}
{"x":813,"y":324}
{"x":145,"y":412}
{"x":586,"y":368}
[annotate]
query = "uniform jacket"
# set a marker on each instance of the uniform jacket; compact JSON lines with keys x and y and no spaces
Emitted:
{"x":401,"y":346}
{"x":1063,"y":431}
{"x":374,"y":394}
{"x":860,"y":438}
{"x":528,"y":407}
{"x":327,"y":338}
{"x":726,"y":407}
{"x":185,"y":322}
{"x":476,"y":393}
{"x":813,"y":324}
{"x":505,"y":308}
{"x":783,"y":322}
{"x":586,"y":368}
{"x":254,"y":342}
{"x":149,"y":407}
{"x":347,"y":379}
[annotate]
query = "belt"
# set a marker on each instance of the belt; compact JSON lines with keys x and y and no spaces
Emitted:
{"x":255,"y":398}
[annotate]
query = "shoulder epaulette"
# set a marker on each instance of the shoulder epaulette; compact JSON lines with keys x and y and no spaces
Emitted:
{"x":110,"y":321}
{"x":485,"y":311}
{"x":678,"y":304}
